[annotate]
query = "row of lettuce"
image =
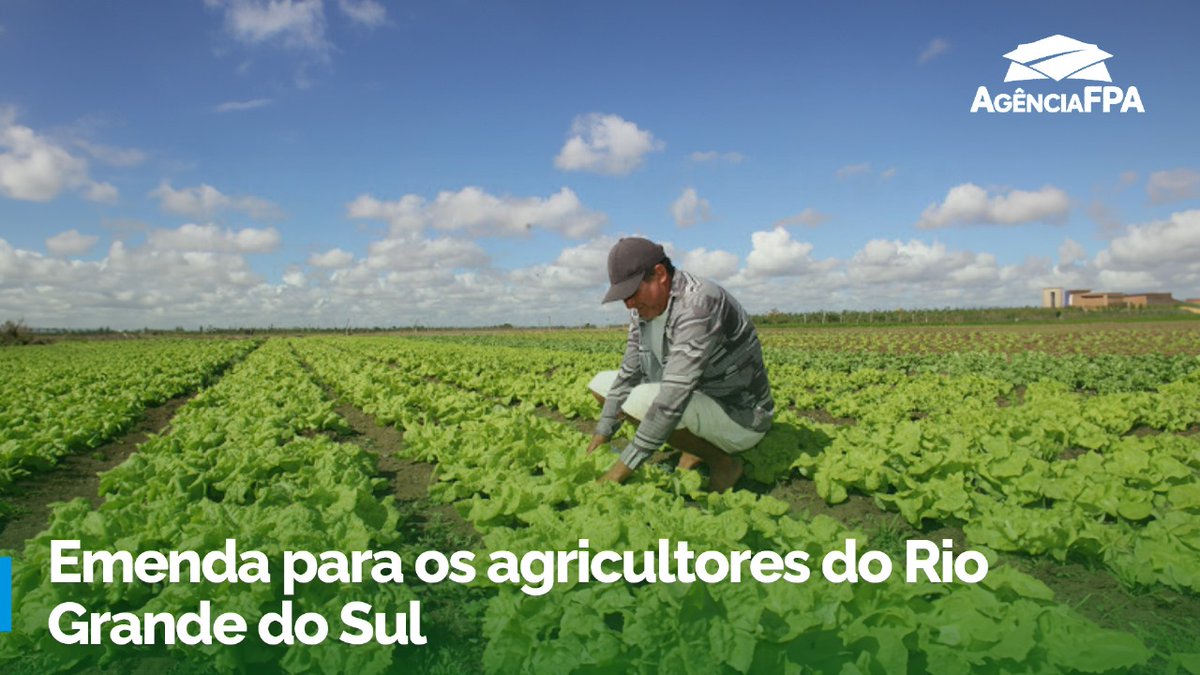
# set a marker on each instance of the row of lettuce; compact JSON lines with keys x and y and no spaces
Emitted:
{"x":1177,"y":338}
{"x":71,"y":397}
{"x":1017,"y":455}
{"x":522,"y":479}
{"x":1022,"y":458}
{"x":1165,"y":338}
{"x":252,"y":459}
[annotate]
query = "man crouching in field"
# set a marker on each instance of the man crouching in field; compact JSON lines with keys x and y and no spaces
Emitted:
{"x":692,"y":375}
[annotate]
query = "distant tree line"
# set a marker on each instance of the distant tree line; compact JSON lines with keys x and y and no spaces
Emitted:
{"x":18,"y":333}
{"x":953,"y":316}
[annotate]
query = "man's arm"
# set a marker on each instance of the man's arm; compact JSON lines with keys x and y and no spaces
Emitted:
{"x":628,"y":377}
{"x":696,"y":335}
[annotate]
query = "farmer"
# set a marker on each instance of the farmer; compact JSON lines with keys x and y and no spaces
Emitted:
{"x":692,"y":375}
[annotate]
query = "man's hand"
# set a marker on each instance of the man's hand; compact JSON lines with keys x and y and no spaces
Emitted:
{"x":597,"y":441}
{"x":619,"y":473}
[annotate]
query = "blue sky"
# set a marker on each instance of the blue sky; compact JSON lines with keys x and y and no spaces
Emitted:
{"x":297,"y":162}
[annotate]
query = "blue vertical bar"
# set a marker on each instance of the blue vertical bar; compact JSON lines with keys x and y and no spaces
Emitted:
{"x":5,"y":595}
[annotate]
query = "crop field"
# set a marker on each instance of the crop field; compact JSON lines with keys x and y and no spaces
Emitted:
{"x":1068,"y":456}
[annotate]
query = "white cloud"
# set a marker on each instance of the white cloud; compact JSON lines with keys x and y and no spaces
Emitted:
{"x":882,"y":261}
{"x":583,"y":267}
{"x":712,"y":157}
{"x":589,"y":260}
{"x":969,"y":204}
{"x":690,"y":209}
{"x":407,"y":214}
{"x":168,"y":282}
{"x":775,"y":253}
{"x":717,"y":265}
{"x":1148,"y":246}
{"x":366,"y":12}
{"x":934,"y":49}
{"x":476,"y":212}
{"x":605,"y":144}
{"x":852,"y":170}
{"x":413,"y":253}
{"x":105,"y":193}
{"x":71,"y":242}
{"x":113,"y":156}
{"x":1107,"y":217}
{"x":294,"y":24}
{"x":863,"y":169}
{"x":294,"y":278}
{"x":210,"y":238}
{"x":205,"y":201}
{"x":978,"y":271}
{"x":35,"y":168}
{"x":236,"y":106}
{"x":332,"y":259}
{"x":809,"y":217}
{"x":1126,"y":281}
{"x":1071,"y":252}
{"x":128,"y":288}
{"x":1173,"y":186}
{"x":201,"y":275}
{"x":887,"y":274}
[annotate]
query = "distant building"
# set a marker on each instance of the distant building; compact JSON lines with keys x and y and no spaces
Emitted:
{"x":1058,"y":297}
{"x":1150,"y":300}
{"x":1074,"y":293}
{"x":1090,"y":300}
{"x":1054,"y":297}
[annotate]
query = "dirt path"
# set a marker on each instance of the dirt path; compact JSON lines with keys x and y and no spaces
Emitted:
{"x":76,"y":475}
{"x":409,"y":480}
{"x":1164,"y":619}
{"x":453,"y":614}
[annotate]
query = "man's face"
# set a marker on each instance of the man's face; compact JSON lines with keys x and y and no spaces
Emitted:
{"x":652,"y":295}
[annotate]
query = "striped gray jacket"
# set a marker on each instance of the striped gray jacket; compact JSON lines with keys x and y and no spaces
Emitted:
{"x":709,"y":345}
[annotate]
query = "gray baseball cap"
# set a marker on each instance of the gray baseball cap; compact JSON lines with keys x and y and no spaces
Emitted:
{"x":628,"y":262}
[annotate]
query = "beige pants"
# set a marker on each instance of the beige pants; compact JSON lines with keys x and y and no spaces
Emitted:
{"x":703,"y":416}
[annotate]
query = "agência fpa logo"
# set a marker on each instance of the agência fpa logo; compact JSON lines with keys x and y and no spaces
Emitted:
{"x":1059,"y":58}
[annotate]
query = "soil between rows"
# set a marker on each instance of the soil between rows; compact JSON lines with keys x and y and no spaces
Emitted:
{"x":454,"y":614}
{"x":30,"y":499}
{"x":1159,"y":616}
{"x":1165,"y":619}
{"x":409,"y":480}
